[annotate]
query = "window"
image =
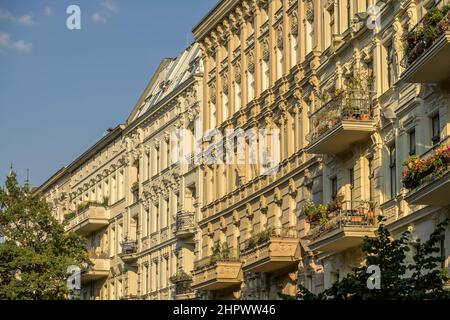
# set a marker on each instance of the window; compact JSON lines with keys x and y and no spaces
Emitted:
{"x":149,"y":164}
{"x":309,"y":36}
{"x":371,"y":179}
{"x":156,"y":275}
{"x":412,"y":142}
{"x":391,"y":66}
{"x":251,"y":86}
{"x":349,"y":14}
{"x":334,"y":188}
{"x":324,"y":30}
{"x":157,"y":218}
{"x":145,"y":276}
{"x":212,"y":107}
{"x":332,"y":26}
{"x":309,"y":283}
{"x":338,"y":15}
{"x":224,"y":182}
{"x":294,"y":47}
{"x":238,"y":182}
{"x":225,"y":112}
{"x":436,"y":129}
{"x":266,"y":74}
{"x":351,"y":174}
{"x":167,"y":213}
{"x":114,"y":188}
{"x":166,"y":280}
{"x":279,"y":53}
{"x":392,"y":172}
{"x":168,"y":153}
{"x":112,"y":242}
{"x":121,"y":185}
{"x":237,"y":96}
{"x":157,"y":161}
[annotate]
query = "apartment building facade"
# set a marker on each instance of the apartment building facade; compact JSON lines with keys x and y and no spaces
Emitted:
{"x":308,"y":111}
{"x":351,"y":104}
{"x":133,"y":199}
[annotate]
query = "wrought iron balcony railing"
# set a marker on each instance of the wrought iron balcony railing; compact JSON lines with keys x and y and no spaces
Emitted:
{"x":183,"y":287}
{"x":345,"y":106}
{"x":129,"y":247}
{"x":347,"y":214}
{"x":423,"y":168}
{"x":265,"y":236}
{"x":425,"y":33}
{"x":230,"y":256}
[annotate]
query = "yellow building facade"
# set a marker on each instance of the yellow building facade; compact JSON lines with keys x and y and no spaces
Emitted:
{"x":303,"y":113}
{"x":132,"y":198}
{"x":350,"y":104}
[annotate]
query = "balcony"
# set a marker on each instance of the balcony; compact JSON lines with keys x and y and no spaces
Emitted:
{"x":90,"y":217}
{"x":342,"y":121}
{"x":129,"y":252}
{"x":99,"y":269}
{"x":271,"y":250}
{"x":183,"y":289}
{"x":216,"y":274}
{"x":185,"y":227}
{"x":341,"y":226}
{"x":428,"y":49}
{"x":183,"y":285}
{"x":428,"y":177}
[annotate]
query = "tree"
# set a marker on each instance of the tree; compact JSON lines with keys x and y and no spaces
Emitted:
{"x":401,"y":278}
{"x":35,"y":252}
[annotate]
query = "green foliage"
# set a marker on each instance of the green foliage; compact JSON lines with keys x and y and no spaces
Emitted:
{"x":69,"y":215}
{"x":36,"y":252}
{"x":260,"y":238}
{"x":219,"y":253}
{"x":400,"y":278}
{"x":135,"y":186}
{"x":417,"y":169}
{"x":322,"y":212}
{"x":105,"y":201}
{"x":434,"y":23}
{"x":180,"y":276}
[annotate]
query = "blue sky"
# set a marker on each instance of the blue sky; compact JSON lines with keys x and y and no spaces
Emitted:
{"x":61,"y":89}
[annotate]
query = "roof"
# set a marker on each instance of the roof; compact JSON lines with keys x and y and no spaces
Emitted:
{"x":170,"y":74}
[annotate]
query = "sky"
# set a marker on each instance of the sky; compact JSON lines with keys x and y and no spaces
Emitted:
{"x":61,"y":89}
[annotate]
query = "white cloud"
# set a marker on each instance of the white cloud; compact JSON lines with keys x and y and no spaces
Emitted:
{"x":5,"y":39}
{"x":48,"y":11}
{"x":19,"y":45}
{"x":6,"y":15}
{"x":108,"y":9}
{"x":98,"y":18}
{"x":23,"y":46}
{"x":25,"y":20}
{"x":110,"y":6}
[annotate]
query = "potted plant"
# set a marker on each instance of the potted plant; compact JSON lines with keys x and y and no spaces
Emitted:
{"x":105,"y":201}
{"x":310,"y":211}
{"x":336,"y":205}
{"x":323,"y":214}
{"x":180,"y":276}
{"x":135,"y":187}
{"x":69,"y":215}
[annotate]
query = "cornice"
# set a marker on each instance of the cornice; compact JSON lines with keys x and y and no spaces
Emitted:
{"x":213,"y":18}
